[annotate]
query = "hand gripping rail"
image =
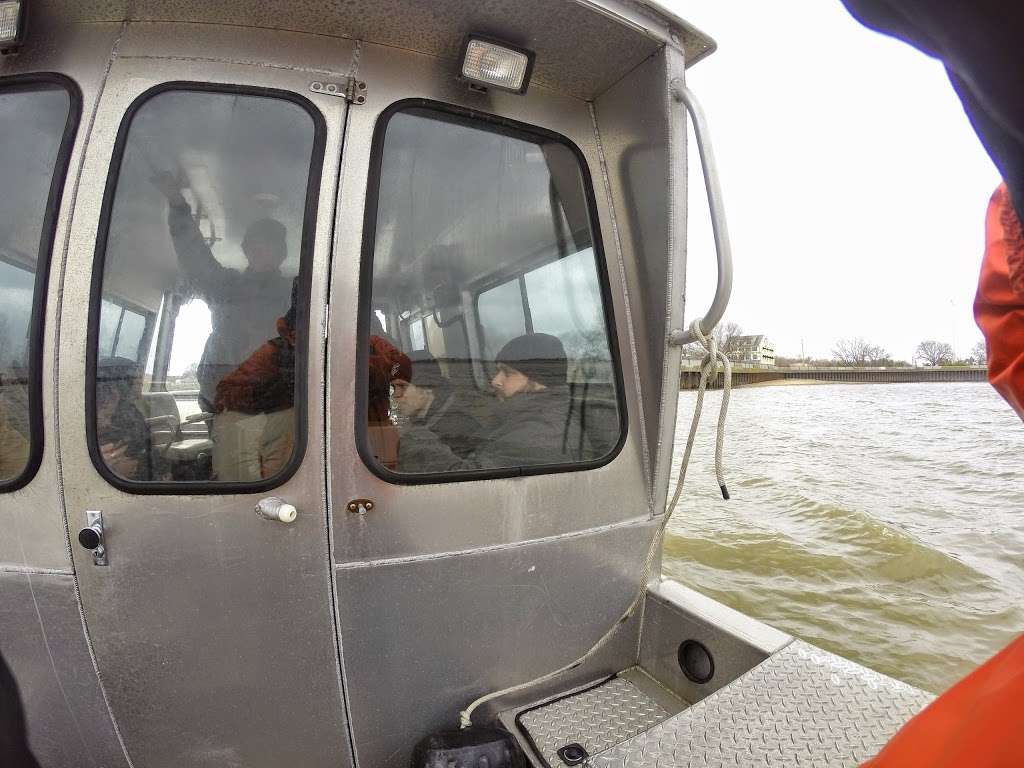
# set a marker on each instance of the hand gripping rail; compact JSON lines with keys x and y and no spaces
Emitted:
{"x":718,"y":225}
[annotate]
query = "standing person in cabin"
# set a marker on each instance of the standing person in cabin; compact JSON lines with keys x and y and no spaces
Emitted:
{"x":239,"y":301}
{"x":264,"y":385}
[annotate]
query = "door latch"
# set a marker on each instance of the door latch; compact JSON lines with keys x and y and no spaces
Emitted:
{"x":91,"y":537}
{"x":360,"y":506}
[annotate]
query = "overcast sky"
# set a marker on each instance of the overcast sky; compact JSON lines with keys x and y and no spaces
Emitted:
{"x":854,"y":185}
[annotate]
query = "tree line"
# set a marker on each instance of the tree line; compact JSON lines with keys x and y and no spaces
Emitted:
{"x":853,"y":352}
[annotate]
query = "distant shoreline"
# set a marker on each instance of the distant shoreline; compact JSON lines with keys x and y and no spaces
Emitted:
{"x":760,"y":377}
{"x":798,"y":383}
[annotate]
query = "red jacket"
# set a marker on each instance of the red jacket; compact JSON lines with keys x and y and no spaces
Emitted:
{"x":265,"y":381}
{"x":979,"y":722}
{"x":999,"y":305}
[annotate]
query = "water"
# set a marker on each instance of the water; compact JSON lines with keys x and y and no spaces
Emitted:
{"x":882,"y":522}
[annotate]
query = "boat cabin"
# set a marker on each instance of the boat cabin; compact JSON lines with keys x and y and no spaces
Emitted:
{"x":339,"y":351}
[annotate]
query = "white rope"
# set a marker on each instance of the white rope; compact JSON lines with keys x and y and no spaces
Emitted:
{"x":708,"y":371}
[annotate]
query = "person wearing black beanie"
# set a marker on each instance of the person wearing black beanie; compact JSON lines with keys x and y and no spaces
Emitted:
{"x":539,"y":357}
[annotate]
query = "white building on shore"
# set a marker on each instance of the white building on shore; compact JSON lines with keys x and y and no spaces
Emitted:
{"x":751,"y":351}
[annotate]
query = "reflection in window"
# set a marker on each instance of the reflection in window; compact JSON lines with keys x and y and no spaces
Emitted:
{"x":32,"y":123}
{"x":197,"y":326}
{"x":484,"y":250}
{"x":122,"y":330}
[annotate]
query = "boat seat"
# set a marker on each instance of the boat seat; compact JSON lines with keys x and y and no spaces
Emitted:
{"x":165,"y":429}
{"x":801,"y":707}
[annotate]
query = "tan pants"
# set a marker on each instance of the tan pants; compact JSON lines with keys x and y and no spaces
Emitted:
{"x":252,"y":446}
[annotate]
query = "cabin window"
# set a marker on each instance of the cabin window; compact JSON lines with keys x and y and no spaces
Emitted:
{"x":199,"y":320}
{"x":37,"y":122}
{"x":484,"y":260}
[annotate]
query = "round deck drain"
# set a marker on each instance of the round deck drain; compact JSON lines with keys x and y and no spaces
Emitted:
{"x":696,"y":661}
{"x":573,"y":754}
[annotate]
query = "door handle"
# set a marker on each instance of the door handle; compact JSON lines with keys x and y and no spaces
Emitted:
{"x":273,"y":508}
{"x":92,"y":537}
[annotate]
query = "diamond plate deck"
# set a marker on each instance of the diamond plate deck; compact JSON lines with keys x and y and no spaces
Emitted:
{"x":597,"y":718}
{"x":801,"y":707}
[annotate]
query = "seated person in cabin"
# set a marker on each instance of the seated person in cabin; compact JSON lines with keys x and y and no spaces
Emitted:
{"x":121,"y":429}
{"x":428,"y":399}
{"x":260,"y":394}
{"x":387,"y":363}
{"x":535,"y":422}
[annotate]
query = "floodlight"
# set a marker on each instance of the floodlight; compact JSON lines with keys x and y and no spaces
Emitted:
{"x":495,"y":64}
{"x":12,"y":25}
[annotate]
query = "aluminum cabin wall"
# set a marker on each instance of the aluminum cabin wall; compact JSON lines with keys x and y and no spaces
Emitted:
{"x":214,"y":633}
{"x":531,"y":508}
{"x":42,"y":635}
{"x":644,"y":143}
{"x":446,"y":591}
{"x":42,"y":640}
{"x":609,"y":37}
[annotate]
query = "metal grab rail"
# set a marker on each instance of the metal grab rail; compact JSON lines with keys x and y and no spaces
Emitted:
{"x":718,"y":225}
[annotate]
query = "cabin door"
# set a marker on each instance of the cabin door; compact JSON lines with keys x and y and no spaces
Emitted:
{"x":191,"y":390}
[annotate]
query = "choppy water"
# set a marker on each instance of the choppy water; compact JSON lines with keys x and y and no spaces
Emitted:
{"x":882,"y":522}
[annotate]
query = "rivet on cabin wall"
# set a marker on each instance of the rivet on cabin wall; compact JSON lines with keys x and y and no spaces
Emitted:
{"x":360,"y":506}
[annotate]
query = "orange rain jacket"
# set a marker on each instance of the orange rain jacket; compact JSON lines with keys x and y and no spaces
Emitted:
{"x":979,"y":722}
{"x":999,"y":305}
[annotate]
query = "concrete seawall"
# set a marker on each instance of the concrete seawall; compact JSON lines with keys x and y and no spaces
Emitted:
{"x":690,"y":377}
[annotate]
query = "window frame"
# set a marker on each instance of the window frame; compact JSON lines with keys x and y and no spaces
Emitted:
{"x":44,"y":256}
{"x":150,"y":320}
{"x":306,"y":255}
{"x":504,"y":126}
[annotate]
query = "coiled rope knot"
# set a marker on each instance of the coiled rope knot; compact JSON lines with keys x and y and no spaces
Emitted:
{"x":709,"y":363}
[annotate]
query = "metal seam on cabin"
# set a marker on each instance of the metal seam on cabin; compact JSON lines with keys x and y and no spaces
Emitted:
{"x":640,"y":621}
{"x":614,"y":224}
{"x":636,"y":522}
{"x":31,"y":570}
{"x":236,"y":62}
{"x":353,"y":69}
{"x":670,"y":387}
{"x":72,"y":207}
{"x":332,"y":250}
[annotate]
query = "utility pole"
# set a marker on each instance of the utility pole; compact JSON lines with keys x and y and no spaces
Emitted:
{"x":952,"y":309}
{"x":803,"y":357}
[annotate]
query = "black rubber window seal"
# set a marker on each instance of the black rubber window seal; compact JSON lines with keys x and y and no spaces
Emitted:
{"x":495,"y":124}
{"x":202,"y":487}
{"x":30,"y":82}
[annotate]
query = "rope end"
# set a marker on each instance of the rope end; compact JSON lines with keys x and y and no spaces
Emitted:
{"x":465,"y":720}
{"x":725,"y":492}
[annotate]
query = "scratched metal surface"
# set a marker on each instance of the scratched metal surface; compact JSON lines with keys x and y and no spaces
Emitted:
{"x":802,"y":707}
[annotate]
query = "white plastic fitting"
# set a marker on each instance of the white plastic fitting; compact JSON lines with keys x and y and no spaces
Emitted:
{"x":274,"y":508}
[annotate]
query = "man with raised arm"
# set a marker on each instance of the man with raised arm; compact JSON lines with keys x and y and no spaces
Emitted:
{"x":243,"y":304}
